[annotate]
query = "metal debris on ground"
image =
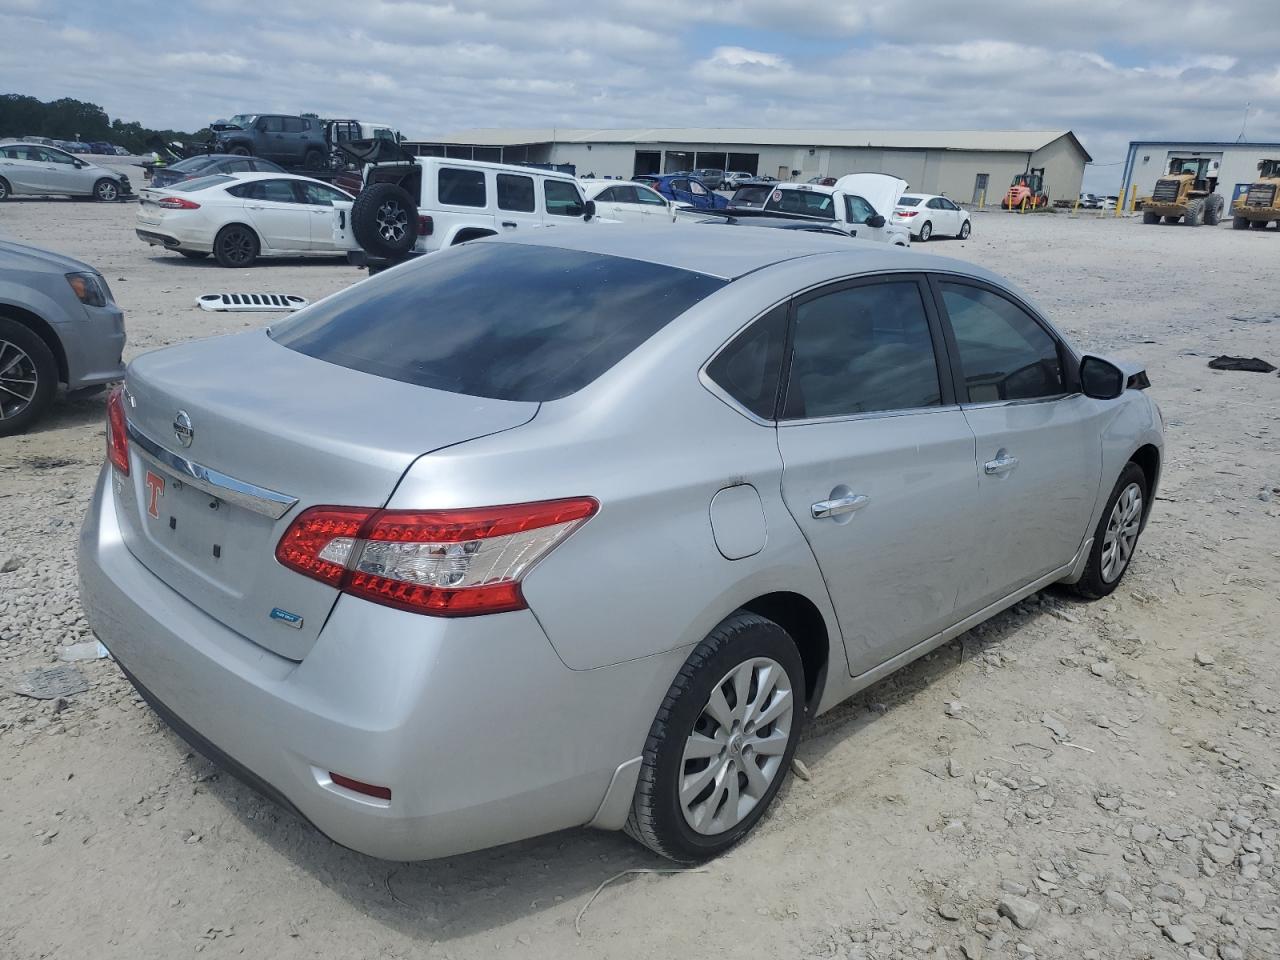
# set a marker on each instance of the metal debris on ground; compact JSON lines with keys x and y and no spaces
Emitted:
{"x":250,"y":302}
{"x":49,"y":683}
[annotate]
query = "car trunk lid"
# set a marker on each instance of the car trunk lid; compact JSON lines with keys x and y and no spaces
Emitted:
{"x":268,"y":432}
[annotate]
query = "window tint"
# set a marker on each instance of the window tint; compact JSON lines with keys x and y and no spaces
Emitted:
{"x":277,"y":191}
{"x":645,"y":195}
{"x":947,"y":204}
{"x":908,"y":201}
{"x":808,"y":202}
{"x":748,"y":369}
{"x":624,"y":194}
{"x":294,"y":124}
{"x":515,"y":193}
{"x":460,"y":319}
{"x":857,"y":210}
{"x":461,"y":187}
{"x":199,"y":183}
{"x":57,"y":156}
{"x":15,"y":153}
{"x":236,"y":165}
{"x":562,"y":198}
{"x":860,"y":350}
{"x":271,"y":124}
{"x":321,"y":194}
{"x":192,"y":164}
{"x":697,"y":189}
{"x":934,"y":204}
{"x":1004,"y":352}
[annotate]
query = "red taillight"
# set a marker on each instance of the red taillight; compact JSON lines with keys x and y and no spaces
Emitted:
{"x":448,"y":563}
{"x":425,"y":226}
{"x":117,"y":430}
{"x":359,"y":786}
{"x":907,"y":213}
{"x":177,"y":203}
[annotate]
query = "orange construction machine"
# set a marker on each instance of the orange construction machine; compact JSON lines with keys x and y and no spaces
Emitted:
{"x":1029,"y":188}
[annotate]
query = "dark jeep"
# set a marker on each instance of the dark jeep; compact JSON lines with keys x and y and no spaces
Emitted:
{"x":289,"y":141}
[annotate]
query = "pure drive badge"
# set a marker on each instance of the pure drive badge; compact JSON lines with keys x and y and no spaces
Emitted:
{"x":287,"y":618}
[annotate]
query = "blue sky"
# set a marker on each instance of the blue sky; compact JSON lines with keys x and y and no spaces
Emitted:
{"x":1111,"y":71}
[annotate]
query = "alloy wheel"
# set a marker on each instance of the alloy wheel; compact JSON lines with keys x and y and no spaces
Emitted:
{"x":19,"y":380}
{"x":392,"y":222}
{"x":1122,"y":533}
{"x":107,"y":191}
{"x":238,"y":246}
{"x":735,"y":751}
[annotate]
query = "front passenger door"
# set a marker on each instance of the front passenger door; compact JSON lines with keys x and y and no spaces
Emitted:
{"x":857,"y":212}
{"x":878,"y":462}
{"x":1039,"y":452}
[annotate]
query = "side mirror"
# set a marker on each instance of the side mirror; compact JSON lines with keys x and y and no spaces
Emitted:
{"x":875,"y":221}
{"x":1100,"y":379}
{"x":588,"y":210}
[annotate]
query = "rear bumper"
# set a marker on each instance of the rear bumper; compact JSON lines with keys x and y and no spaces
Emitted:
{"x":173,"y":240}
{"x":480,"y":731}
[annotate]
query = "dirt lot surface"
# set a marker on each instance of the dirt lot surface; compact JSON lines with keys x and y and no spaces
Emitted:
{"x":1108,"y":787}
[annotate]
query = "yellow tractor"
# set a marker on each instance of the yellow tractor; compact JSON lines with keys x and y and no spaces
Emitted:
{"x":1259,"y":206}
{"x":1186,"y":193}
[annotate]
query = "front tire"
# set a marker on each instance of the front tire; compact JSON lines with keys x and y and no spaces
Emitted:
{"x":28,"y":377}
{"x":926,"y":231}
{"x":106,"y":191}
{"x":236,"y":246}
{"x":1195,"y":212}
{"x":722,"y":743}
{"x":1150,"y":218}
{"x":1239,"y":223}
{"x":1213,"y":207}
{"x":1116,"y":538}
{"x":965,"y":230}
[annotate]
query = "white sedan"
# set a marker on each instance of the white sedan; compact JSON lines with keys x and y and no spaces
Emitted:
{"x":241,"y":217}
{"x":628,"y":201}
{"x":926,"y":215}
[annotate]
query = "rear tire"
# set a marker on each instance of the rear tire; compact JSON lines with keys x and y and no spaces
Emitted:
{"x":1122,"y":520}
{"x":1259,"y":224}
{"x":236,"y":246}
{"x":5,"y":192}
{"x":29,"y":370}
{"x":926,"y":231}
{"x":193,"y":254}
{"x":384,"y":220}
{"x":1149,"y":218}
{"x":313,"y":160}
{"x":1195,"y":212}
{"x":240,"y":150}
{"x":1239,"y":223}
{"x":747,"y":667}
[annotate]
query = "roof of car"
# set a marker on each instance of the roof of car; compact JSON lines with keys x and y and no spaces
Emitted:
{"x":269,"y":175}
{"x":921,"y":196}
{"x":735,"y":253}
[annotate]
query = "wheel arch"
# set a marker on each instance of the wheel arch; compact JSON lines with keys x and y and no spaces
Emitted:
{"x":470,"y":233}
{"x":804,"y":622}
{"x":42,"y":329}
{"x":1147,"y":457}
{"x":238,"y":223}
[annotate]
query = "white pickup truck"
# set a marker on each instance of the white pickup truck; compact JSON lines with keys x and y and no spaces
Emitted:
{"x":860,"y":204}
{"x":422,"y":204}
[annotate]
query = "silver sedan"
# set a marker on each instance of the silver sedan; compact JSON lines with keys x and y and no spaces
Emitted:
{"x":583,"y":528}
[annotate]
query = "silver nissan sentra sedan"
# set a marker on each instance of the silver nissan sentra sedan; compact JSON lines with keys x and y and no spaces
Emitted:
{"x":582,"y":528}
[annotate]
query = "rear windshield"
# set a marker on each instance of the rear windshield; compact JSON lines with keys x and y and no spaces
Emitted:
{"x":500,"y":320}
{"x":199,"y":183}
{"x":808,"y":202}
{"x":908,"y":201}
{"x":191,"y":164}
{"x":754,"y":194}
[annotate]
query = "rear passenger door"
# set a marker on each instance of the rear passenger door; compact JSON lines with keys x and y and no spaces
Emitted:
{"x":1039,"y":451}
{"x":878,"y":461}
{"x":517,"y":198}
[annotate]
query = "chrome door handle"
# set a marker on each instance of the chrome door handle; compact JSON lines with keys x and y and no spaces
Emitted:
{"x":841,"y":505}
{"x":1000,"y":465}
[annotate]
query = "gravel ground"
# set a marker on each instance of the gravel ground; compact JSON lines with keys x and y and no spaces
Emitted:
{"x":1070,"y":780}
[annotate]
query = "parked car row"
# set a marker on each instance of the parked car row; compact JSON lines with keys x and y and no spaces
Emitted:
{"x":43,"y":170}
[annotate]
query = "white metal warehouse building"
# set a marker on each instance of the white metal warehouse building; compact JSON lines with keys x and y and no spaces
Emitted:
{"x":961,"y":164}
{"x":1148,"y":160}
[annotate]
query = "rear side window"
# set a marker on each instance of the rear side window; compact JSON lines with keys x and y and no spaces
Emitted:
{"x":295,"y":124}
{"x":271,"y":124}
{"x":461,"y":187}
{"x":1004,"y":352}
{"x":515,"y":193}
{"x":199,"y":183}
{"x":749,"y":368}
{"x":460,"y":319}
{"x":862,"y":349}
{"x":562,"y":198}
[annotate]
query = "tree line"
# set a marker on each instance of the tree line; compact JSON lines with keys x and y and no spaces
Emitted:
{"x":68,"y":119}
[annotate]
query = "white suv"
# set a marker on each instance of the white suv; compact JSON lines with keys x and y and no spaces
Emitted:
{"x":424,"y":204}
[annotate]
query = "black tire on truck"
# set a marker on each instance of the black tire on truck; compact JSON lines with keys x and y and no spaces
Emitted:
{"x":1195,"y":212}
{"x":1149,"y":218}
{"x":1239,"y":223}
{"x":384,"y":220}
{"x":1213,"y":206}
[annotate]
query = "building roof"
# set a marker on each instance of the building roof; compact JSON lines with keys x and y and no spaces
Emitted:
{"x":1020,"y":141}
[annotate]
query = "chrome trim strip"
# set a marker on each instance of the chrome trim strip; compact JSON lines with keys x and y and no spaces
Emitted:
{"x":252,"y":497}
